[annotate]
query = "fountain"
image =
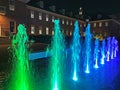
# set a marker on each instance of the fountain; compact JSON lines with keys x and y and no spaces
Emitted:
{"x":112,"y":47}
{"x":20,"y":76}
{"x":96,"y":51}
{"x":75,"y":50}
{"x":88,"y":39}
{"x":115,"y":48}
{"x":103,"y":52}
{"x":57,"y":57}
{"x":108,"y":48}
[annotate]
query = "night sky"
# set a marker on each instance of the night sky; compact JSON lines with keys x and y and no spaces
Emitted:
{"x":89,"y":6}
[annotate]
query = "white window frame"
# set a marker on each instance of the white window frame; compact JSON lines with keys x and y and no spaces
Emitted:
{"x":47,"y":17}
{"x":47,"y":30}
{"x":94,"y":24}
{"x":32,"y":14}
{"x":32,"y":29}
{"x":63,"y":22}
{"x":100,"y":24}
{"x":106,"y":24}
{"x":12,"y":5}
{"x":40,"y":30}
{"x":40,"y":16}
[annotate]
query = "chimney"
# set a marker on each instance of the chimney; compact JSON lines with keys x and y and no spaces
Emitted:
{"x":62,"y":11}
{"x":40,"y":4}
{"x":52,"y":8}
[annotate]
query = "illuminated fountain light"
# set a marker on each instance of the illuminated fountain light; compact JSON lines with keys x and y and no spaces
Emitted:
{"x":87,"y":69}
{"x":88,"y":39}
{"x":103,"y":52}
{"x":115,"y":47}
{"x":108,"y":48}
{"x":112,"y":47}
{"x":96,"y":51}
{"x":57,"y":57}
{"x":75,"y":49}
{"x":20,"y":76}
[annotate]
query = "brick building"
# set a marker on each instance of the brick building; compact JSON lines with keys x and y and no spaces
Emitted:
{"x":39,"y":21}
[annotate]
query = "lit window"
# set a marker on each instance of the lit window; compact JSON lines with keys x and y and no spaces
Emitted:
{"x":53,"y":18}
{"x":106,"y":24}
{"x":67,"y":32}
{"x":52,"y":32}
{"x":80,"y":25}
{"x":32,"y":29}
{"x":71,"y":23}
{"x":40,"y":16}
{"x":94,"y":24}
{"x":63,"y":21}
{"x":47,"y":17}
{"x":12,"y":5}
{"x":32,"y":14}
{"x":70,"y":33}
{"x":100,"y":24}
{"x":67,"y":22}
{"x":40,"y":30}
{"x":47,"y":30}
{"x":84,"y":25}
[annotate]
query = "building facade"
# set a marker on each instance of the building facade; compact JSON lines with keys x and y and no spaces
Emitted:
{"x":40,"y":22}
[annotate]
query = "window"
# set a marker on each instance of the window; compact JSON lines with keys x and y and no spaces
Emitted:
{"x":40,"y":16}
{"x":71,"y":23}
{"x":84,"y":25}
{"x":106,"y":24}
{"x":94,"y":25}
{"x":67,"y":32}
{"x":63,"y":21}
{"x":32,"y":29}
{"x":67,"y":22}
{"x":40,"y":30}
{"x":12,"y":5}
{"x":100,"y":24}
{"x":32,"y":14}
{"x":2,"y":10}
{"x":47,"y":30}
{"x":52,"y":32}
{"x":70,"y":33}
{"x":47,"y":17}
{"x":80,"y":25}
{"x":53,"y":18}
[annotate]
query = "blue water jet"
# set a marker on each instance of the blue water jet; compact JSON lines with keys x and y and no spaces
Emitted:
{"x":103,"y":52}
{"x":96,"y":51}
{"x":75,"y":49}
{"x":88,"y":39}
{"x":108,"y":48}
{"x":115,"y":47}
{"x":112,"y":47}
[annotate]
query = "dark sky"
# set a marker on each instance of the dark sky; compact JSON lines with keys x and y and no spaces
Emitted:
{"x":89,"y":6}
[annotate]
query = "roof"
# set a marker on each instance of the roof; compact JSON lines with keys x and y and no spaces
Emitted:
{"x":35,"y":3}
